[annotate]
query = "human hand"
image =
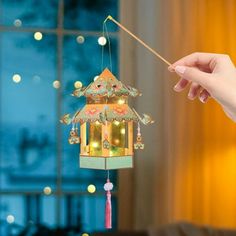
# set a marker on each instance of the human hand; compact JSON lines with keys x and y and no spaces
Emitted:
{"x":209,"y":75}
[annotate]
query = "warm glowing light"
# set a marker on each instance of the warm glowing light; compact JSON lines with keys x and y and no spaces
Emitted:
{"x":121,"y":101}
{"x":97,"y":123}
{"x":85,"y":234}
{"x":80,"y":39}
{"x":47,"y":190}
{"x":95,"y":78}
{"x":56,"y":84}
{"x":38,"y":36}
{"x":10,"y":219}
{"x":116,"y":122}
{"x":95,"y":144}
{"x":78,"y":84}
{"x":16,"y":78}
{"x":102,"y":41}
{"x":117,"y":141}
{"x":122,"y":131}
{"x":91,"y":188}
{"x":17,"y":23}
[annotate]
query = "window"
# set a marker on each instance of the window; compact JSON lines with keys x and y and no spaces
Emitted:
{"x":45,"y":47}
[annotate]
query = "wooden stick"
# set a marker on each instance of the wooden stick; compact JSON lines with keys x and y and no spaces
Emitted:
{"x":138,"y":39}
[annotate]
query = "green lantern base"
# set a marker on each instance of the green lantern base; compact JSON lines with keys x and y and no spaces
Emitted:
{"x":106,"y":163}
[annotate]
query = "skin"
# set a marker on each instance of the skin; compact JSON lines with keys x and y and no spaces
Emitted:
{"x":208,"y":75}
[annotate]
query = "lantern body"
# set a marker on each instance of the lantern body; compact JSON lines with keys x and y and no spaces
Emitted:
{"x":106,"y":124}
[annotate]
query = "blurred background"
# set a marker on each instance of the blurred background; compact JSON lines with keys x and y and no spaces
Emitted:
{"x":186,"y":172}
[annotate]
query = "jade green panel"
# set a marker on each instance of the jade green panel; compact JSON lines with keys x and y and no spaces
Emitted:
{"x":106,"y":163}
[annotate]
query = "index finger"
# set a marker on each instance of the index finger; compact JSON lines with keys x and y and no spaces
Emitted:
{"x":195,"y":59}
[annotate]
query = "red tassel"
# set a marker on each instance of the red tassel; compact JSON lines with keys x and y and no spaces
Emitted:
{"x":108,"y":213}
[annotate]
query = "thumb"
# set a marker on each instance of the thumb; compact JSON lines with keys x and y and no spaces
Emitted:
{"x":194,"y":75}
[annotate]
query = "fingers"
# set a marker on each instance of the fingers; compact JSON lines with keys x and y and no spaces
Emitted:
{"x":195,"y":75}
{"x":208,"y":61}
{"x":197,"y":59}
{"x":181,"y":85}
{"x":194,"y":60}
{"x":204,"y":96}
{"x":194,"y":91}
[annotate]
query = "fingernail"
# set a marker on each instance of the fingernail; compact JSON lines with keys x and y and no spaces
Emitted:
{"x":176,"y":87}
{"x":180,"y":69}
{"x":203,"y":98}
{"x":190,"y":95}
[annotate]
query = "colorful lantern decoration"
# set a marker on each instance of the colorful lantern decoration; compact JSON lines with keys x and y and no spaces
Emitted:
{"x":106,"y":128}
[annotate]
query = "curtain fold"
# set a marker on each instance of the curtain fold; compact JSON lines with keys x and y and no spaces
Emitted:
{"x":187,"y":171}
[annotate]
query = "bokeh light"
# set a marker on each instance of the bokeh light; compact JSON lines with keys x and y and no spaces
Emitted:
{"x":102,"y":41}
{"x":17,"y":23}
{"x":91,"y":188}
{"x":80,"y":39}
{"x":10,"y":219}
{"x":16,"y":78}
{"x":56,"y":84}
{"x":38,"y":36}
{"x":47,"y":190}
{"x":78,"y":84}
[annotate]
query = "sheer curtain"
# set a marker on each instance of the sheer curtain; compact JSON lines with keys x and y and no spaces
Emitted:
{"x":187,"y":171}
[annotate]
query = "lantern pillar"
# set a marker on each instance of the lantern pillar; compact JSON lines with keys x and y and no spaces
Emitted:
{"x":83,"y":135}
{"x":130,"y":138}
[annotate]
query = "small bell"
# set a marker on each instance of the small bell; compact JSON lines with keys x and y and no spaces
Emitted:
{"x":139,"y":144}
{"x":74,"y":138}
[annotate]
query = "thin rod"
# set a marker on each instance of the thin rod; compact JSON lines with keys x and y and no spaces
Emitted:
{"x":138,"y":39}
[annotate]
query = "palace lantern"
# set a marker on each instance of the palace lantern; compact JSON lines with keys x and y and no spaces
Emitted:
{"x":106,"y":127}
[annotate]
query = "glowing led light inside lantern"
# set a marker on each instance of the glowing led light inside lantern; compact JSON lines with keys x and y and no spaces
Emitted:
{"x":56,"y":84}
{"x":47,"y":190}
{"x":95,"y":144}
{"x":38,"y":36}
{"x":16,"y":78}
{"x":121,"y":101}
{"x":10,"y":219}
{"x":17,"y":23}
{"x":85,"y":234}
{"x":122,"y":131}
{"x":116,"y":122}
{"x":78,"y":84}
{"x":117,"y":141}
{"x":80,"y":39}
{"x":91,"y":188}
{"x":102,"y":41}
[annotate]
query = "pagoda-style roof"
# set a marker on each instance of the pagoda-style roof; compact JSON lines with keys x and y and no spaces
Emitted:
{"x":106,"y":101}
{"x":108,"y":112}
{"x":106,"y":85}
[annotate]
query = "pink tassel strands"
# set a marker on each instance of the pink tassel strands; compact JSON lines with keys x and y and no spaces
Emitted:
{"x":108,"y":212}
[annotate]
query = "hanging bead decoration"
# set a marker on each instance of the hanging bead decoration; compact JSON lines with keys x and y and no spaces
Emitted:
{"x":108,"y":212}
{"x":138,"y":144}
{"x":74,"y":137}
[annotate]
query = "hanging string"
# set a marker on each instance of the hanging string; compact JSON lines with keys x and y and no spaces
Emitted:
{"x":105,"y":35}
{"x":109,"y":46}
{"x":137,"y":38}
